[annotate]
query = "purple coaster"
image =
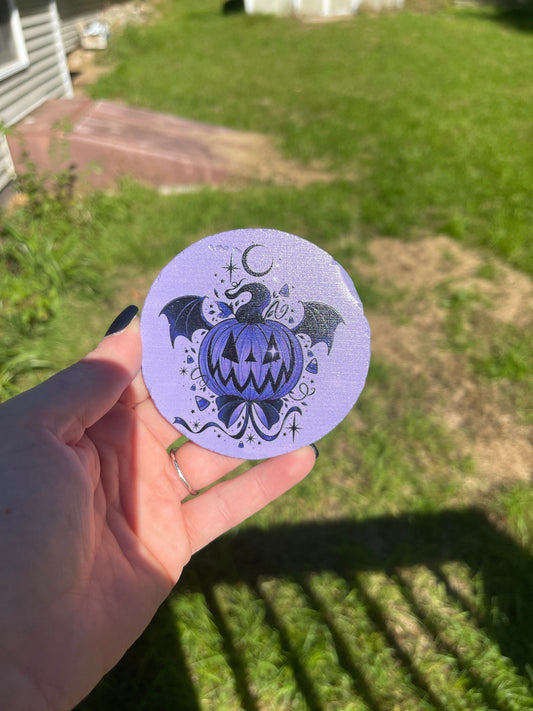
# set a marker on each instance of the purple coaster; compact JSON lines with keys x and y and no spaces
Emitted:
{"x":254,"y":343}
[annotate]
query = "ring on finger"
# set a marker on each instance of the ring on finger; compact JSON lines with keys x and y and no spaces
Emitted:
{"x":192,"y":491}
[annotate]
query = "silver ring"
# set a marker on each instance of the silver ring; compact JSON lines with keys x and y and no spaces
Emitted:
{"x":192,"y":491}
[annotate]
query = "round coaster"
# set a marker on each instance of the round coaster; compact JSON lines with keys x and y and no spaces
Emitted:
{"x":254,"y":343}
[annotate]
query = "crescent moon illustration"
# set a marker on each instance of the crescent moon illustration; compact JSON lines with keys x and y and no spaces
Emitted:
{"x":246,"y":266}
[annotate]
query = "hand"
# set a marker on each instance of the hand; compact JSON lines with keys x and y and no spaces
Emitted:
{"x":93,"y":534}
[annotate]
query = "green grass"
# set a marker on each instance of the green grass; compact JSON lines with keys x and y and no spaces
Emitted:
{"x":60,"y":257}
{"x":494,"y":351}
{"x":429,"y":116}
{"x":391,"y":578}
{"x":44,"y":257}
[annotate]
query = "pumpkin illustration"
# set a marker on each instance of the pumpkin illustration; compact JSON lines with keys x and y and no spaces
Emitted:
{"x":252,"y":361}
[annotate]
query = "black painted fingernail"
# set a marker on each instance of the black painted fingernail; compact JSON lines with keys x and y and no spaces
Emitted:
{"x":315,"y":450}
{"x":123,"y":320}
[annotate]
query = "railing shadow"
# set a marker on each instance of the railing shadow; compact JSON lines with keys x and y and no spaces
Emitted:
{"x":517,"y":14}
{"x":345,"y":548}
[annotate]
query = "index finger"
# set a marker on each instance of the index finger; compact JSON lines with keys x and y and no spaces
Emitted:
{"x":75,"y":398}
{"x":230,"y":502}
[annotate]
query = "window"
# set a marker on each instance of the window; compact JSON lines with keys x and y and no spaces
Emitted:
{"x":13,"y":56}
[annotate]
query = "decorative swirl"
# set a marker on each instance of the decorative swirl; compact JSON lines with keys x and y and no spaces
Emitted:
{"x":248,"y":418}
{"x":276,"y":311}
{"x":305,"y":391}
{"x":196,"y":374}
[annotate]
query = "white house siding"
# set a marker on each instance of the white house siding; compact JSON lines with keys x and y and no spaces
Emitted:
{"x":268,"y":7}
{"x":341,"y":7}
{"x":6,"y":164}
{"x":325,"y":8}
{"x":46,"y":76}
{"x":313,"y":7}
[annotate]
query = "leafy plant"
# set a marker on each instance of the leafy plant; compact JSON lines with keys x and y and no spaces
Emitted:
{"x":44,"y":255}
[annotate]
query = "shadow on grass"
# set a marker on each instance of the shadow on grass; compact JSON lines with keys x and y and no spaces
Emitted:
{"x":153,"y":674}
{"x":517,"y":14}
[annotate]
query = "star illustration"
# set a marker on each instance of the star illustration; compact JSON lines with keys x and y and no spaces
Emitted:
{"x":250,"y":438}
{"x":294,"y":427}
{"x":231,"y":267}
{"x":183,"y":371}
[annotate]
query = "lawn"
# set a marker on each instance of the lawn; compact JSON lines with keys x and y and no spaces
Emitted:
{"x":399,"y":574}
{"x":428,"y":115}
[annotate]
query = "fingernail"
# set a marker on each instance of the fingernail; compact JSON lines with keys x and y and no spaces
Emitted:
{"x":123,"y":320}
{"x":315,"y":450}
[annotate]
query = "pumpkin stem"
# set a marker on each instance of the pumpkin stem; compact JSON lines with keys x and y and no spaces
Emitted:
{"x":252,"y":310}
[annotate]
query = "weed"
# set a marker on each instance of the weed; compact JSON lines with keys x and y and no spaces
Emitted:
{"x":45,"y":192}
{"x":45,"y":254}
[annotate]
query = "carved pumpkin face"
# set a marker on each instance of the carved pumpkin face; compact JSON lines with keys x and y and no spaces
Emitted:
{"x":252,"y":361}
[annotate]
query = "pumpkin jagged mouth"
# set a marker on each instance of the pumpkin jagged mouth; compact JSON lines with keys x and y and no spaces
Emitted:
{"x":284,"y":376}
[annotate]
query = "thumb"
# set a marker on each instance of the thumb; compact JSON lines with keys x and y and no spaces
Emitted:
{"x":81,"y":394}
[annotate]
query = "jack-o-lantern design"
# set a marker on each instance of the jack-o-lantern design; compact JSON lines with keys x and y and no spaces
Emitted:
{"x":250,"y":362}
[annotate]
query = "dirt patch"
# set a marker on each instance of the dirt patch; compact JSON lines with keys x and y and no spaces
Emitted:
{"x":434,"y":262}
{"x":254,"y":157}
{"x":477,"y":410}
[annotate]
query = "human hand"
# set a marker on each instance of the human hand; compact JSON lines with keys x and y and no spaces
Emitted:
{"x":93,"y":534}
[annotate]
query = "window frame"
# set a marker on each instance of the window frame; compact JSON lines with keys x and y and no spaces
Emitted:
{"x":21,"y":60}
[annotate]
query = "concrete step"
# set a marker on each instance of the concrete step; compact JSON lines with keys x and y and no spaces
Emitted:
{"x":103,"y":141}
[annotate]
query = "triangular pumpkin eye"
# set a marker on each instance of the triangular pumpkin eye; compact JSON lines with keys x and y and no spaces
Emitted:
{"x":272,"y":352}
{"x":230,"y":349}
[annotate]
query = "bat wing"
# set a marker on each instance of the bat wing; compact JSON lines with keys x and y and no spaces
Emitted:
{"x":185,"y":316}
{"x":320,"y":322}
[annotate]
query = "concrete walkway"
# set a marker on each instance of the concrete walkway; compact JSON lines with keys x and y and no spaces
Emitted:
{"x":104,"y":141}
